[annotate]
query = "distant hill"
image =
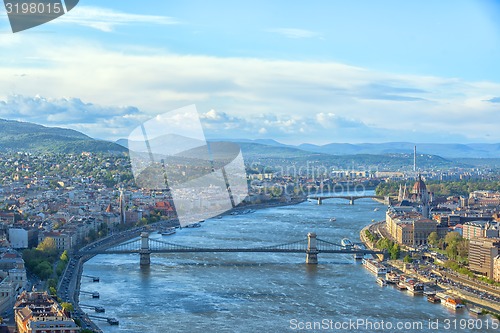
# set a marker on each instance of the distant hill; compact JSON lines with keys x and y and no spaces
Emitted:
{"x":29,"y":137}
{"x":288,"y":156}
{"x":446,"y":150}
{"x":273,"y":153}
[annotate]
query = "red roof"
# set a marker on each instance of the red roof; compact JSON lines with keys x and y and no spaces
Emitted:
{"x":164,"y":205}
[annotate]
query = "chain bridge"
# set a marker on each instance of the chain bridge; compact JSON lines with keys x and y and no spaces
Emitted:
{"x":311,"y":246}
{"x":351,"y":198}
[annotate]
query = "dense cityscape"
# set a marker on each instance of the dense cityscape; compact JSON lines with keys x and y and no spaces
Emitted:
{"x":264,"y":166}
{"x":55,"y":205}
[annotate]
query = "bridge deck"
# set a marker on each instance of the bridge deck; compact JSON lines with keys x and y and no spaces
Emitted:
{"x":235,"y":250}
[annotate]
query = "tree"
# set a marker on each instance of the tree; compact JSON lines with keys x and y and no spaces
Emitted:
{"x":453,"y":242}
{"x":452,"y":237}
{"x":394,"y":251}
{"x":48,"y":245}
{"x":64,"y":256}
{"x":52,"y":283}
{"x":433,"y":239}
{"x":463,"y":248}
{"x":68,"y":307}
{"x":407,"y":259}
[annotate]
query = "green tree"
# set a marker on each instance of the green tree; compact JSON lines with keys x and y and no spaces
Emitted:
{"x":407,"y":259}
{"x":452,"y":240}
{"x":394,"y":251}
{"x":433,"y":239}
{"x":52,"y":283}
{"x":68,"y":307}
{"x":452,"y":237}
{"x":64,"y":256}
{"x":463,"y":248}
{"x":48,"y":245}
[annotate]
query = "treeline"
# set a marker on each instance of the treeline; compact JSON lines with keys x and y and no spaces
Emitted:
{"x":455,"y":246}
{"x":442,"y":188}
{"x":393,"y":248}
{"x":41,"y":260}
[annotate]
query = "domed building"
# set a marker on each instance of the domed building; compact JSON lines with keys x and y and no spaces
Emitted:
{"x":419,"y":195}
{"x":419,"y":192}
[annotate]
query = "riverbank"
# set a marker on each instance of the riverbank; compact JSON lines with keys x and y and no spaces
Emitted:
{"x":69,"y":291}
{"x":399,"y":266}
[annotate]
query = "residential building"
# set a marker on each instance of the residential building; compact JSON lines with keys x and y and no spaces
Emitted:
{"x":13,"y":279}
{"x":37,"y":312}
{"x":62,"y":240}
{"x":482,"y":252}
{"x":22,"y":238}
{"x":480,"y":228}
{"x":496,"y":269}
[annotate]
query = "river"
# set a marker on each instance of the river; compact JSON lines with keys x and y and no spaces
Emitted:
{"x":263,"y":292}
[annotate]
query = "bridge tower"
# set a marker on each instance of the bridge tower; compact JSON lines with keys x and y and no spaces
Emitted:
{"x":312,"y":249}
{"x":145,"y":252}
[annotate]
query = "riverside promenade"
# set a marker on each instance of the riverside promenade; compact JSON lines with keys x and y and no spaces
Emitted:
{"x":449,"y":288}
{"x":68,"y":288}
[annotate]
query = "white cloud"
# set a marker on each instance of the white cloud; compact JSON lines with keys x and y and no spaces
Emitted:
{"x":106,"y":20}
{"x":295,"y":33}
{"x":321,"y":101}
{"x":94,"y":120}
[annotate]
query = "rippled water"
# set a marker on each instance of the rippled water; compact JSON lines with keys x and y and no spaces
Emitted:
{"x":260,"y":292}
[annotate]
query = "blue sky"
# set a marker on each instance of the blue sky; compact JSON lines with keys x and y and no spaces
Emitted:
{"x":331,"y":71}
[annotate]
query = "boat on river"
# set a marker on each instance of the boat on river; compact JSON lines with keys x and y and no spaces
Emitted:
{"x":168,"y":231}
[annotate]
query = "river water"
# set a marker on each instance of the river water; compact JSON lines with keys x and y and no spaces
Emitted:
{"x":263,"y":292}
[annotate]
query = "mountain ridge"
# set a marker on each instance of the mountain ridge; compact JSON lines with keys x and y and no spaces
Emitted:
{"x":31,"y":137}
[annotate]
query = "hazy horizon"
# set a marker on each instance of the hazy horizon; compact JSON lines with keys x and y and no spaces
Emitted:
{"x":332,"y":72}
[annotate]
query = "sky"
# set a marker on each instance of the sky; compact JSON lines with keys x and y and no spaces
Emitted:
{"x":297,"y":72}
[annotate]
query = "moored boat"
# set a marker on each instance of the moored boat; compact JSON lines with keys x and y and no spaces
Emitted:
{"x":476,"y":311}
{"x":358,"y":255}
{"x":453,"y":303}
{"x":381,"y":282}
{"x":433,"y":299}
{"x":413,"y":286}
{"x":392,"y":277}
{"x":374,"y":266}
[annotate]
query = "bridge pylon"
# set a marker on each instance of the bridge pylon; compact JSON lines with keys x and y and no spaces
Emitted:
{"x":312,"y":249}
{"x":145,"y":251}
{"x":320,"y":201}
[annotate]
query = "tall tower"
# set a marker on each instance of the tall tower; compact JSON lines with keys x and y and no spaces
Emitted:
{"x":414,"y":158}
{"x":122,"y":207}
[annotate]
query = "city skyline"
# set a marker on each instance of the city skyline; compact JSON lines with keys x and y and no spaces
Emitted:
{"x":334,"y":72}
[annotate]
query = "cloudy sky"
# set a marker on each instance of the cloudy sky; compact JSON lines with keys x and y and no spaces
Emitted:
{"x":294,"y":71}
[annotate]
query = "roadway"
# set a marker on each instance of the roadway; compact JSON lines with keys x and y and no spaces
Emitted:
{"x":69,"y":285}
{"x":470,"y":289}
